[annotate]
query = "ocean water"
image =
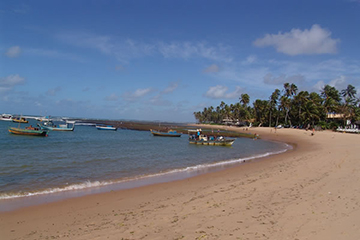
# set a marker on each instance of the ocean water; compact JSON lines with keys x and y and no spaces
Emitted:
{"x":89,"y":158}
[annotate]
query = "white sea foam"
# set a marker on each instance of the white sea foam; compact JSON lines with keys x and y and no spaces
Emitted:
{"x":94,"y":184}
{"x":79,"y":186}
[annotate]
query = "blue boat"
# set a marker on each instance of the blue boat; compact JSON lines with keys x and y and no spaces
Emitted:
{"x":170,"y":133}
{"x":68,"y":126}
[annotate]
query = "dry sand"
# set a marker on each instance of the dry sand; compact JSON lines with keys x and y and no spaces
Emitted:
{"x":311,"y":192}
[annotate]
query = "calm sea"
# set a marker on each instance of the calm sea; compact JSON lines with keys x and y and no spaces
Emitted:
{"x":88,"y":158}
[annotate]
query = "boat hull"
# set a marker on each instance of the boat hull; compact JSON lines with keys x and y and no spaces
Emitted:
{"x":20,"y":121}
{"x":50,"y":126}
{"x":107,"y":128}
{"x":6,"y":119}
{"x":28,"y":132}
{"x":165,"y":134}
{"x":57,"y":128}
{"x":226,"y":142}
{"x":195,"y":137}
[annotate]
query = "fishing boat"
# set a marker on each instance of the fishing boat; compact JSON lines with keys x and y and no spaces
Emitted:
{"x":20,"y":120}
{"x":170,"y":133}
{"x":29,"y":131}
{"x":108,"y":127}
{"x":6,"y":117}
{"x":43,"y":119}
{"x":68,"y":126}
{"x":196,"y":137}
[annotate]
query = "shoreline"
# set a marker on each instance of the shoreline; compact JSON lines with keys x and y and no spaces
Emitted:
{"x":44,"y":196}
{"x":310,"y":192}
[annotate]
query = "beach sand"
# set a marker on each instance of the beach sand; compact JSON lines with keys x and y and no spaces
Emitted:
{"x":310,"y":192}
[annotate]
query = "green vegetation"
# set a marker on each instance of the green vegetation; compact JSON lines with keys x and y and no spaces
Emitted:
{"x":289,"y":108}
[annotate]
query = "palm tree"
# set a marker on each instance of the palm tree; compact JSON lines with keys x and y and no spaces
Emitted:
{"x":244,"y":99}
{"x":331,"y":98}
{"x":348,"y":109}
{"x":260,"y":107}
{"x":312,"y":109}
{"x":299,"y":108}
{"x":198,"y":116}
{"x":299,"y":101}
{"x":289,"y":91}
{"x":349,"y":92}
{"x":293,"y":89}
{"x":273,"y":102}
{"x":227,"y":112}
{"x":285,"y":104}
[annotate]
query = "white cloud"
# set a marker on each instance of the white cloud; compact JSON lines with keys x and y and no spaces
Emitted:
{"x":250,"y":59}
{"x":125,"y":49}
{"x":53,"y":91}
{"x":219,"y":91}
{"x":112,"y":97}
{"x":188,"y":50}
{"x":133,"y":96}
{"x":122,"y":49}
{"x":101,"y":43}
{"x":21,"y":9}
{"x":171,"y":88}
{"x":141,"y":92}
{"x":159,"y":101}
{"x":339,"y":82}
{"x":120,"y":68}
{"x":318,"y":86}
{"x":297,"y":42}
{"x":213,"y":68}
{"x":85,"y":89}
{"x":54,"y":54}
{"x":13,"y":52}
{"x":7,"y":83}
{"x":283,"y":78}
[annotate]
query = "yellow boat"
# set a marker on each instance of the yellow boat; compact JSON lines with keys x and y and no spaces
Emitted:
{"x":170,"y":133}
{"x":20,"y":120}
{"x":29,"y":131}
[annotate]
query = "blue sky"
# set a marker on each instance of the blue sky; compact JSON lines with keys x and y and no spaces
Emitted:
{"x":164,"y":60}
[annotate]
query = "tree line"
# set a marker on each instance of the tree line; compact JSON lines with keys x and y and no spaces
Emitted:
{"x":289,"y":107}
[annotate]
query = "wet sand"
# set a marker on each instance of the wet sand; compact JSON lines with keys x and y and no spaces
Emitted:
{"x":310,"y":192}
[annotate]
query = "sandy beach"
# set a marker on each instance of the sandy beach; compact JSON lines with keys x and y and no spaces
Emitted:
{"x":310,"y":192}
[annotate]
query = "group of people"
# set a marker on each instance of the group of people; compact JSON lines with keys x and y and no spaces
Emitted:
{"x":32,"y":128}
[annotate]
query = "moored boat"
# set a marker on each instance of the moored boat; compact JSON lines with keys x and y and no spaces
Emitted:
{"x":6,"y":117}
{"x":170,"y":133}
{"x":196,"y":137}
{"x":108,"y":127}
{"x":68,"y":126}
{"x":29,"y":131}
{"x":20,"y":120}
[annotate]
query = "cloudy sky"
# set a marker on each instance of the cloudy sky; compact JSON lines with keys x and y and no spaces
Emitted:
{"x":164,"y":60}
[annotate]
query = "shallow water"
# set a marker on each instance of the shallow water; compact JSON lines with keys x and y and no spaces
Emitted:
{"x":88,"y":158}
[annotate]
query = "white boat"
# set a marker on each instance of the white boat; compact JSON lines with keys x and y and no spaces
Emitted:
{"x":68,"y":126}
{"x":43,"y":119}
{"x":107,"y":127}
{"x":6,"y":117}
{"x":85,"y":124}
{"x":348,"y":130}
